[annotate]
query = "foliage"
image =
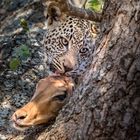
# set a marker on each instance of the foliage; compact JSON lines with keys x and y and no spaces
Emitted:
{"x":7,"y":2}
{"x":14,"y":63}
{"x":24,"y":24}
{"x":21,"y":53}
{"x":95,"y":5}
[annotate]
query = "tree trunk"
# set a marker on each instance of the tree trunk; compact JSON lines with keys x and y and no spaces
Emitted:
{"x":106,"y":104}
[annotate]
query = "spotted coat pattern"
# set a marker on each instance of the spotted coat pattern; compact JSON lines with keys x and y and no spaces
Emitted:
{"x":70,"y":45}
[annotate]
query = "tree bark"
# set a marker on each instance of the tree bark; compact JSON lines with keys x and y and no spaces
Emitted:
{"x":106,"y":104}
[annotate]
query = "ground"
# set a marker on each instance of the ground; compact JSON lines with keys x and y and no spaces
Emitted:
{"x":17,"y":86}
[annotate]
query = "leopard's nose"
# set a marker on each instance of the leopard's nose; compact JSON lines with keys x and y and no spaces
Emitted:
{"x":67,"y":69}
{"x":68,"y":65}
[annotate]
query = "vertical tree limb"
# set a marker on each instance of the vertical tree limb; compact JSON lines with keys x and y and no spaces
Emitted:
{"x":106,"y":103}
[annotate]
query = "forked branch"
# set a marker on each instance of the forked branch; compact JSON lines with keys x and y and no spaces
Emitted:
{"x":66,"y":7}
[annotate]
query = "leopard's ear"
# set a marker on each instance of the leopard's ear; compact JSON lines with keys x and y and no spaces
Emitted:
{"x":78,"y":3}
{"x":53,"y":14}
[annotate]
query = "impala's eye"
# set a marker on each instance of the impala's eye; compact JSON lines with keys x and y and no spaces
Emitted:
{"x":64,"y":41}
{"x":61,"y":97}
{"x":83,"y":50}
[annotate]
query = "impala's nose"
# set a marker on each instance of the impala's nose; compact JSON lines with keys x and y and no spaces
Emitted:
{"x":19,"y":116}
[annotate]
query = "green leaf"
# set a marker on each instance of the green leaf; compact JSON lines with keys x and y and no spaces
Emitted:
{"x":24,"y":24}
{"x":95,"y":5}
{"x":22,"y":52}
{"x":14,"y":64}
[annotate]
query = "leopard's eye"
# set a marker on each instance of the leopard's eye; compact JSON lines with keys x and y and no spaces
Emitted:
{"x":83,"y":50}
{"x":64,"y":41}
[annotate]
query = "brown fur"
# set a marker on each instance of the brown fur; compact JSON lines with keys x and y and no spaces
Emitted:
{"x":44,"y":105}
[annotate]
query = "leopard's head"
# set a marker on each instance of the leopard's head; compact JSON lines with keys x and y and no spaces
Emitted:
{"x":68,"y":42}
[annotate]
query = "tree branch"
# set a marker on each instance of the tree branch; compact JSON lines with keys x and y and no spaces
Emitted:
{"x":66,"y":7}
{"x":83,"y":13}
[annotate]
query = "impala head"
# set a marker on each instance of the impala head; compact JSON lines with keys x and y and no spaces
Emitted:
{"x":50,"y":95}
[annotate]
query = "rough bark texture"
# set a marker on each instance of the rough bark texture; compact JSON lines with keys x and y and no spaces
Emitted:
{"x":106,"y":104}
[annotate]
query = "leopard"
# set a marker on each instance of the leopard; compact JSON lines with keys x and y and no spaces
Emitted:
{"x":69,"y":43}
